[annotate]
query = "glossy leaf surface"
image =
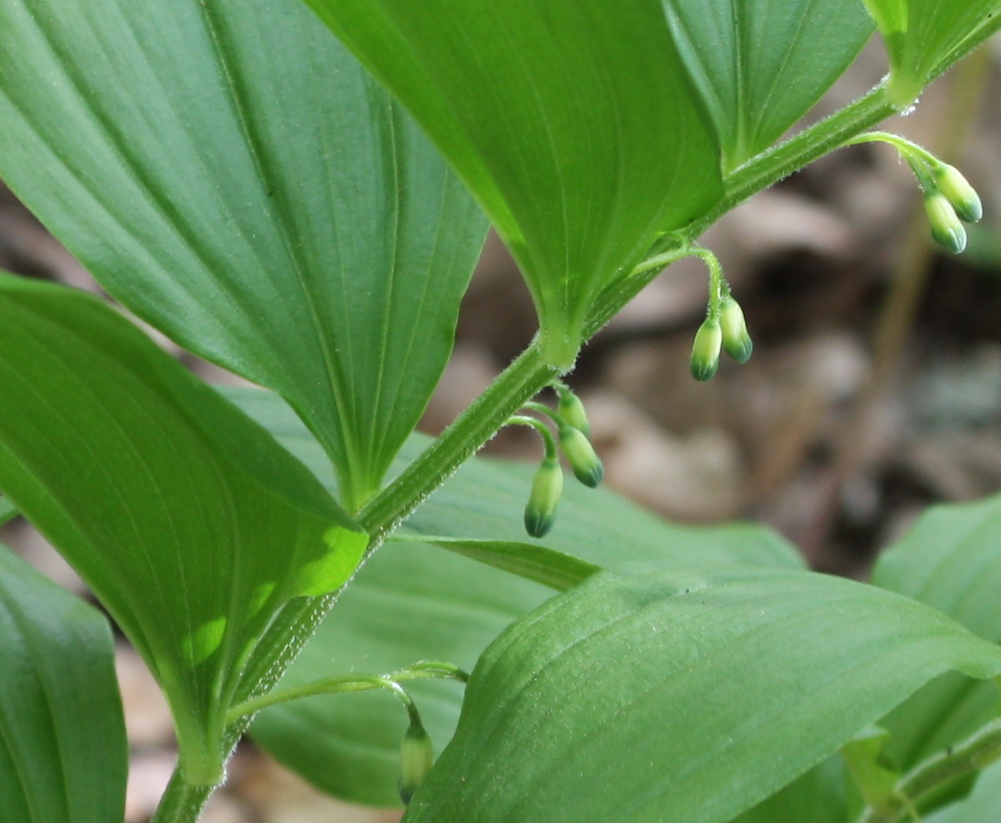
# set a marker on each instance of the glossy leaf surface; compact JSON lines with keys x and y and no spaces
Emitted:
{"x":228,"y":171}
{"x":186,"y":519}
{"x":412,"y":601}
{"x":697,"y":691}
{"x":60,"y":714}
{"x":572,"y":121}
{"x":922,"y":35}
{"x":759,"y":66}
{"x":950,"y":561}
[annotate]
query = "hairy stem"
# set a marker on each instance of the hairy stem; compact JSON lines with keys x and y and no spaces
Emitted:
{"x":973,"y":754}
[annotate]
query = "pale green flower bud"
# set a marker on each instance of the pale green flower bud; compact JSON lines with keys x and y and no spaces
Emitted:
{"x":571,"y":411}
{"x":946,"y":229}
{"x":416,"y":759}
{"x":958,"y":191}
{"x":547,"y":488}
{"x":736,"y":341}
{"x":706,"y":349}
{"x":580,"y":454}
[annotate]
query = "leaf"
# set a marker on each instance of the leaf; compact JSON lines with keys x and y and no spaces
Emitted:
{"x":64,"y":755}
{"x":824,"y":794}
{"x":549,"y":567}
{"x":697,"y":691}
{"x":409,"y":602}
{"x":950,"y":561}
{"x":231,"y":174}
{"x":874,"y":774}
{"x":7,"y":511}
{"x":983,"y":804}
{"x":414,"y":601}
{"x":922,"y":36}
{"x":757,"y":64}
{"x":572,"y":121}
{"x":186,"y":519}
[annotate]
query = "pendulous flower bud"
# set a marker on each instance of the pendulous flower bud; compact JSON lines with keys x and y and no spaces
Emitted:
{"x":586,"y":464}
{"x":416,"y":759}
{"x":547,"y":488}
{"x":736,"y":341}
{"x":706,"y":349}
{"x":571,"y":411}
{"x":946,"y":229}
{"x":957,"y":190}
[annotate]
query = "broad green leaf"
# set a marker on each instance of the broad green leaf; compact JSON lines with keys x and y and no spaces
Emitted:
{"x":7,"y":510}
{"x":890,"y":15}
{"x":409,"y":602}
{"x":949,"y":560}
{"x":572,"y":121}
{"x":697,"y":691}
{"x":63,"y":755}
{"x":875,"y":776}
{"x":229,"y":172}
{"x":982,"y":806}
{"x":412,"y":601}
{"x":921,"y":37}
{"x":760,"y":66}
{"x":187,"y":520}
{"x":547,"y":566}
{"x":824,"y":794}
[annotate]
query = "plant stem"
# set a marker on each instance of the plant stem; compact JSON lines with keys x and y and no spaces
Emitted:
{"x":973,"y":754}
{"x":519,"y":383}
{"x":181,"y":802}
{"x":757,"y":174}
{"x":777,"y":163}
{"x":345,"y":684}
{"x":516,"y":385}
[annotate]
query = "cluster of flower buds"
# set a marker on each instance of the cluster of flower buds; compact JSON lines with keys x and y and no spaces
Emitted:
{"x":574,"y":441}
{"x":950,"y":201}
{"x":723,"y":330}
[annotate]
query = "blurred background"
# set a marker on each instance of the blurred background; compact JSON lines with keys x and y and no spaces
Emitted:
{"x":874,"y":389}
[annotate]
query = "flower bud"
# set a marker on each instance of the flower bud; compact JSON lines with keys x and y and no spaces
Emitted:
{"x":547,"y":487}
{"x":571,"y":411}
{"x":946,"y":229}
{"x":416,"y":759}
{"x":960,"y":194}
{"x":705,"y":350}
{"x":736,"y":341}
{"x":580,"y":454}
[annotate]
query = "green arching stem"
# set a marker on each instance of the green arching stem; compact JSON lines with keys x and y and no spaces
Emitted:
{"x":353,"y":683}
{"x":918,"y":158}
{"x":907,"y":148}
{"x":983,"y":748}
{"x":719,"y":289}
{"x":661,"y":261}
{"x":541,"y":428}
{"x":543,"y":409}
